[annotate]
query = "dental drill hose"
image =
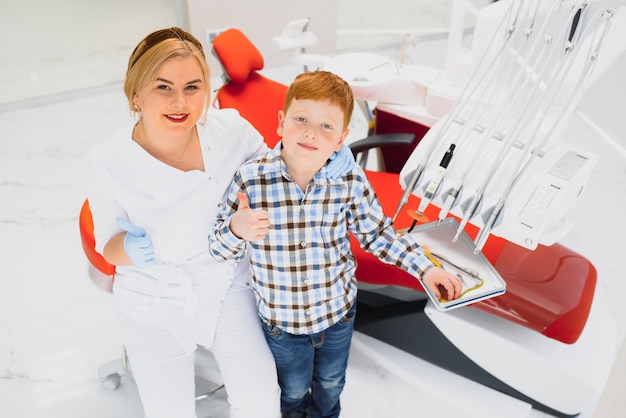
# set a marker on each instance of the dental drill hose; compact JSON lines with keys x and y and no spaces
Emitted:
{"x":483,"y":234}
{"x":447,"y":204}
{"x":471,"y":208}
{"x":408,"y":190}
{"x":434,"y":184}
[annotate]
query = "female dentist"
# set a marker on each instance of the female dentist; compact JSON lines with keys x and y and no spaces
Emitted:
{"x":154,"y":190}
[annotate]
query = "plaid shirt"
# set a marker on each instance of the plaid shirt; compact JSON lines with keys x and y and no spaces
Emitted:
{"x":303,"y":270}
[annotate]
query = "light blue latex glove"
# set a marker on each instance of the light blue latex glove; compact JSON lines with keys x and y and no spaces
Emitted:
{"x":341,"y":162}
{"x":137,"y":244}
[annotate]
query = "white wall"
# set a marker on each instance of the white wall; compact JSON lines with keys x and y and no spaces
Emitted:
{"x":51,"y":47}
{"x":260,"y":20}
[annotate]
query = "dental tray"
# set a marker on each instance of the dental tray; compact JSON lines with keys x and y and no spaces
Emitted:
{"x":458,"y":258}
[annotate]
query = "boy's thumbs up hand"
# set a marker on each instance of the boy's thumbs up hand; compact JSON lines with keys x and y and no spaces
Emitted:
{"x":249,"y":224}
{"x":243,"y":201}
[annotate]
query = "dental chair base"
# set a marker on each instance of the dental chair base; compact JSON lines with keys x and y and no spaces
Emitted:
{"x":546,"y":342}
{"x":559,"y":379}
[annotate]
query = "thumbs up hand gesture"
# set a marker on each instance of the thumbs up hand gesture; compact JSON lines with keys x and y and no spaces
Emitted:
{"x":248,"y":224}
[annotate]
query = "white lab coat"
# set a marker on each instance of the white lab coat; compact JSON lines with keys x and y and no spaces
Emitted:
{"x":184,"y":289}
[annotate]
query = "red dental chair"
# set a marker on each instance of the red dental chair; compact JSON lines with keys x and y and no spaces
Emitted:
{"x":554,"y":273}
{"x":549,"y":291}
{"x":256,"y":97}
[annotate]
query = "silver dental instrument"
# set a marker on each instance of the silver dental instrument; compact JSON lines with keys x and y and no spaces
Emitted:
{"x":435,"y":182}
{"x":469,"y":271}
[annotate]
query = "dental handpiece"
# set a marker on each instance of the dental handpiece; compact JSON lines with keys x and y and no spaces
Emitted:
{"x":483,"y":234}
{"x":408,"y":190}
{"x":447,"y":204}
{"x":473,"y":273}
{"x":432,"y":187}
{"x":471,"y":208}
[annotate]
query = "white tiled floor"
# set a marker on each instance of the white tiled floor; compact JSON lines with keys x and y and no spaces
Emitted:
{"x":56,"y":327}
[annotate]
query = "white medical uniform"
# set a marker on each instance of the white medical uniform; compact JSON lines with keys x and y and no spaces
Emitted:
{"x":186,"y":297}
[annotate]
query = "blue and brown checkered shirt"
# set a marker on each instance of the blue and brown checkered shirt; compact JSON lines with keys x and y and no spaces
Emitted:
{"x":303,"y":270}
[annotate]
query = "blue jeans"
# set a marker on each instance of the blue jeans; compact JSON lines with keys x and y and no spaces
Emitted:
{"x":311,"y":368}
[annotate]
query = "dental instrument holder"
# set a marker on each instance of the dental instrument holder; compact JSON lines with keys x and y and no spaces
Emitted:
{"x":534,"y":211}
{"x":554,"y":173}
{"x":435,"y":237}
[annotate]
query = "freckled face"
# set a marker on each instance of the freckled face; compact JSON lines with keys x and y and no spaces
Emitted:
{"x":174,"y":102}
{"x":311,"y":131}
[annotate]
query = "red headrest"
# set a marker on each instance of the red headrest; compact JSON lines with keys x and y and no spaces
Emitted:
{"x":238,"y":56}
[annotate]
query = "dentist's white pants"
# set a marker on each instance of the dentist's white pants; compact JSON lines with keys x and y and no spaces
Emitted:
{"x":165,"y":375}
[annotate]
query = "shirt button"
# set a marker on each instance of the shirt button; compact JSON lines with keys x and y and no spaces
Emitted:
{"x":306,"y":281}
{"x":303,"y":244}
{"x":307,"y":313}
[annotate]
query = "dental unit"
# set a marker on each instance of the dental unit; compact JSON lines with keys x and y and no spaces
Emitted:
{"x":496,"y":166}
{"x":506,"y":129}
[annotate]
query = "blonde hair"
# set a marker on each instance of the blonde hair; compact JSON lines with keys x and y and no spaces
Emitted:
{"x":153,"y":51}
{"x":322,"y":85}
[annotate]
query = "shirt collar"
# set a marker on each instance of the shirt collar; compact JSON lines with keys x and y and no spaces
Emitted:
{"x":272,"y":164}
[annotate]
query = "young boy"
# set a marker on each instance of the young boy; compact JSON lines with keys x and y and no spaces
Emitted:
{"x":293,"y":219}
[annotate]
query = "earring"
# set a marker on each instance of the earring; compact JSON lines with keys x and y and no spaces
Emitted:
{"x":137,"y":108}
